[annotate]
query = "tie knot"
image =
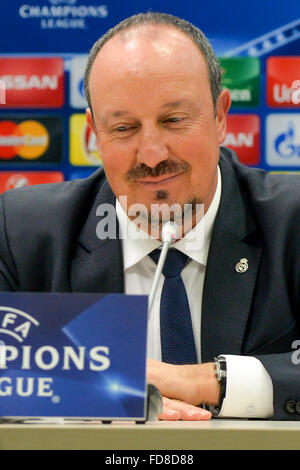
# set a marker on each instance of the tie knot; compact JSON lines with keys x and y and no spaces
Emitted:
{"x":174,"y":264}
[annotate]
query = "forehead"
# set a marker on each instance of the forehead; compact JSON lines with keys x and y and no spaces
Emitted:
{"x":147,"y":51}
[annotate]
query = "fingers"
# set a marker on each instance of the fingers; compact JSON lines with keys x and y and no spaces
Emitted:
{"x":174,"y":410}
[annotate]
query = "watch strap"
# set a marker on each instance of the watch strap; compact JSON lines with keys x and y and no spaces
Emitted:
{"x":221,"y":374}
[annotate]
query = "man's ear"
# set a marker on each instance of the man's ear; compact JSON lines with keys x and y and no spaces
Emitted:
{"x":90,"y":120}
{"x":223,"y":105}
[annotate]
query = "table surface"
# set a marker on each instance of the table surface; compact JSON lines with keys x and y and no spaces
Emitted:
{"x":216,"y":434}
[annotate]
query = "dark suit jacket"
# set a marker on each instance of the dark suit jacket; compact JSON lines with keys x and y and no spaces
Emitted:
{"x":48,"y":242}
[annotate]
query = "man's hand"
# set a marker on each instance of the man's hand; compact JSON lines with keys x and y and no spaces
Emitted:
{"x":174,"y":410}
{"x":184,"y":388}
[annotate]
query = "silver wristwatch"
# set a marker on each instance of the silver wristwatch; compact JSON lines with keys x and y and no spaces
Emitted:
{"x":221,"y":373}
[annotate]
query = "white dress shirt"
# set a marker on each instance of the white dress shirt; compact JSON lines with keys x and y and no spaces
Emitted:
{"x":249,"y":390}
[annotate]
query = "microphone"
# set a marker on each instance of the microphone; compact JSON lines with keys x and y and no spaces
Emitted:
{"x":169,"y":234}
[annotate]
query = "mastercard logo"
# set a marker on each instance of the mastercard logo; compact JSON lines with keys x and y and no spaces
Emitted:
{"x":27,"y":139}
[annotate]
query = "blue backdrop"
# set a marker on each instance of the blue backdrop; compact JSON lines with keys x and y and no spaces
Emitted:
{"x":68,"y":28}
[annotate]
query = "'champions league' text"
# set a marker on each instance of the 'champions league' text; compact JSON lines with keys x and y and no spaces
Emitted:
{"x":47,"y":358}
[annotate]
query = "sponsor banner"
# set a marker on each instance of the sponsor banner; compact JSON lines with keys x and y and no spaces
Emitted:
{"x":241,"y":76}
{"x":243,"y":136}
{"x":73,"y":25}
{"x":77,"y":96}
{"x":283,"y":139}
{"x":12,"y":179}
{"x":32,"y":82}
{"x":30,"y":140}
{"x":73,"y":355}
{"x":283,"y":82}
{"x":83,"y":145}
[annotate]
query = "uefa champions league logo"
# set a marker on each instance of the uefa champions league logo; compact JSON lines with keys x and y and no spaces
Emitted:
{"x":63,"y":14}
{"x":16,"y":323}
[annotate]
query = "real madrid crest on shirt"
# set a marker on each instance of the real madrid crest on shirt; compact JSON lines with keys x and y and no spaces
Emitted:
{"x":242,"y":266}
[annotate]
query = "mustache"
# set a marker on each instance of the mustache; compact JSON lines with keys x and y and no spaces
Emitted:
{"x":166,"y":167}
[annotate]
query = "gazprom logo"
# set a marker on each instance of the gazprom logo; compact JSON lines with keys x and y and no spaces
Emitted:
{"x":283,"y":139}
{"x":16,"y":323}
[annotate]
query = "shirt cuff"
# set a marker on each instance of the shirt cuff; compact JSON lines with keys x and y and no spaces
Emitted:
{"x":249,"y":389}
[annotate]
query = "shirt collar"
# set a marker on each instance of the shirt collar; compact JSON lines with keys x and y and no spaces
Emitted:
{"x":137,"y":244}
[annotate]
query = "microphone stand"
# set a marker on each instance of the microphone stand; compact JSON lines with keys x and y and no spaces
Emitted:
{"x":168,"y":235}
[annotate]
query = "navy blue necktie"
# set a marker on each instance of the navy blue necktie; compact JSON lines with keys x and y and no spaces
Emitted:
{"x":177,"y":338}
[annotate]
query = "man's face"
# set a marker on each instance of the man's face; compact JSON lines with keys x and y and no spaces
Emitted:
{"x":156,"y":129}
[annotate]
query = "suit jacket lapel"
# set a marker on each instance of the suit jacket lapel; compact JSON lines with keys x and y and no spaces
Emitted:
{"x":227,"y":294}
{"x":97,"y":265}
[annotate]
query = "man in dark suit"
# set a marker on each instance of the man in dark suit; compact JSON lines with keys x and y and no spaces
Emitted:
{"x":159,"y":115}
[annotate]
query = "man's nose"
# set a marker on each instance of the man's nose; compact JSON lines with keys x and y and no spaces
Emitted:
{"x":151,"y":148}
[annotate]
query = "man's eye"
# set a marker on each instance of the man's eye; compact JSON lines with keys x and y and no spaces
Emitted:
{"x":173,"y":119}
{"x":122,"y":128}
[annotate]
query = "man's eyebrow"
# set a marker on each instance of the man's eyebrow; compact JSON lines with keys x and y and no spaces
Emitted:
{"x":176,"y":103}
{"x":116,"y":113}
{"x":169,"y":104}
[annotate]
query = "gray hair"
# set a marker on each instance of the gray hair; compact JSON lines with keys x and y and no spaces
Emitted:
{"x":156,"y":18}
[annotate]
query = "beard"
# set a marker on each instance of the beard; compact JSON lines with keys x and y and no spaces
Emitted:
{"x":151,"y":220}
{"x":185,"y":216}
